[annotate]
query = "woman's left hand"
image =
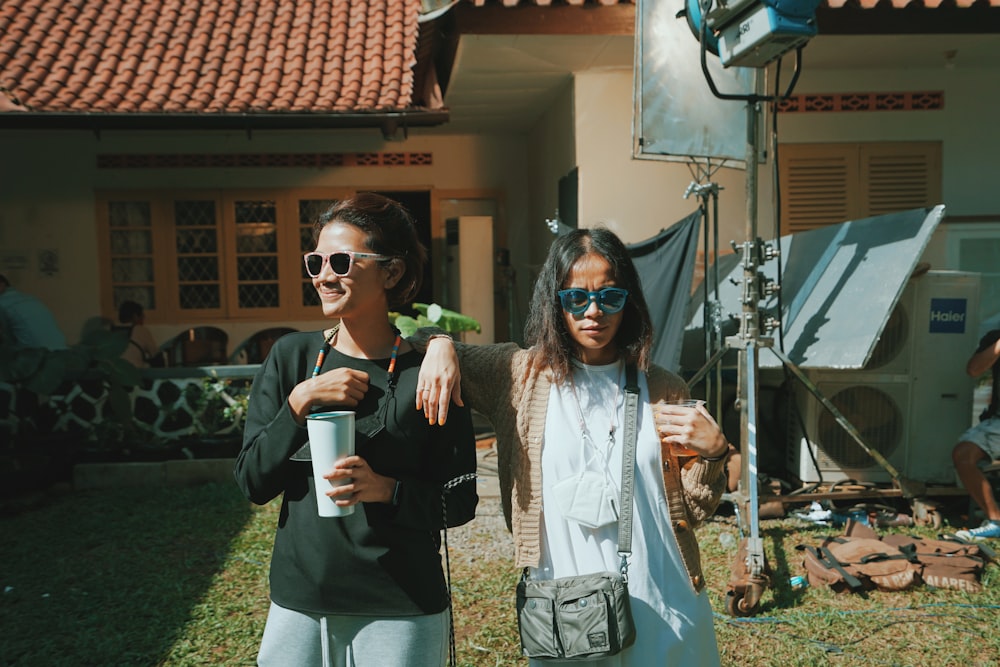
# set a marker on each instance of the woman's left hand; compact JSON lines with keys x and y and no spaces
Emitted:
{"x":365,"y":484}
{"x":693,"y":428}
{"x":439,"y":381}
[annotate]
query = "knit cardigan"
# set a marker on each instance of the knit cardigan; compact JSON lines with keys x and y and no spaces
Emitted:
{"x":501,"y":382}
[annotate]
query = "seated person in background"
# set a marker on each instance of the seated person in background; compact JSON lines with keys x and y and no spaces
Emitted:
{"x":142,"y":350}
{"x":26,"y":321}
{"x":982,"y":443}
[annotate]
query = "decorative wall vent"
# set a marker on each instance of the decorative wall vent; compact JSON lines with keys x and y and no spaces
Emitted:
{"x":842,"y":102}
{"x":269,"y":160}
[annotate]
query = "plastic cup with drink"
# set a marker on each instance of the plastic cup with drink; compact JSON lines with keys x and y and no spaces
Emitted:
{"x":666,"y":413}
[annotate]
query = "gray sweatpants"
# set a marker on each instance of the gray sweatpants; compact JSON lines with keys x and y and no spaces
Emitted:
{"x":294,"y":639}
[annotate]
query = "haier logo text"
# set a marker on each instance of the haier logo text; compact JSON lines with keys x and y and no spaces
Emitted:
{"x":947,"y":316}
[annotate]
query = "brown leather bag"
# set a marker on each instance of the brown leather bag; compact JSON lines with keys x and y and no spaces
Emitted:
{"x":860,"y":561}
{"x":947,"y":563}
{"x":859,"y":564}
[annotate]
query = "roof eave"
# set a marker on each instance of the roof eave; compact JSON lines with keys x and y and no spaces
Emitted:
{"x":388,"y":121}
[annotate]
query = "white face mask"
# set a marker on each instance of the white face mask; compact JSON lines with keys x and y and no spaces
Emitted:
{"x":588,"y":499}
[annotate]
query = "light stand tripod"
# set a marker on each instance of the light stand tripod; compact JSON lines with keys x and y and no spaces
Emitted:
{"x":708,"y":205}
{"x":750,"y":572}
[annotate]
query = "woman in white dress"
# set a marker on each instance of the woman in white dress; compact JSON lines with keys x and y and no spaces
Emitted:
{"x":558,"y":410}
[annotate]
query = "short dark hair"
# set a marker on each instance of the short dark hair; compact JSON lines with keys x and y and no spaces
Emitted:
{"x":546,"y":328}
{"x":128,"y":311}
{"x":390,"y":230}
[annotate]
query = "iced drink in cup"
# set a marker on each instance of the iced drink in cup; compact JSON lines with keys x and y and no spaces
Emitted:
{"x":662,"y":413}
{"x":331,"y":438}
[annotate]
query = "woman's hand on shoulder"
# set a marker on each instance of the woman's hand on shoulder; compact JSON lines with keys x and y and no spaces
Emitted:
{"x":439,"y":381}
{"x":337,"y":387}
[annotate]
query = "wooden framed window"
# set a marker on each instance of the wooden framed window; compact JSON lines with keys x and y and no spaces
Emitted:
{"x":252,"y":264}
{"x":306,"y":210}
{"x":209,"y":255}
{"x":130,"y":251}
{"x":197,"y":257}
{"x":826,"y":184}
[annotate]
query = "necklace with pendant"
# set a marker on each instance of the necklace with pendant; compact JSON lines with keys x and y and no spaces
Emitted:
{"x":612,"y":426}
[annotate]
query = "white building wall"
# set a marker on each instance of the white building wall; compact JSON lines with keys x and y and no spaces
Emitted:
{"x":635,"y":198}
{"x":965,"y":125}
{"x":552,"y":154}
{"x":639,"y":197}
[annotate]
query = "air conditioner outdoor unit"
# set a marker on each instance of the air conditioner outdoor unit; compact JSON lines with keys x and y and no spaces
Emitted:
{"x":910,"y":402}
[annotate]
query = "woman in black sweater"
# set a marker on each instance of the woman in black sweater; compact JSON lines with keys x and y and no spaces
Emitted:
{"x":366,"y":588}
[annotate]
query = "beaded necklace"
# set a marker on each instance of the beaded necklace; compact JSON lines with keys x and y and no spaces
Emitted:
{"x":328,"y":343}
{"x":382,"y":410}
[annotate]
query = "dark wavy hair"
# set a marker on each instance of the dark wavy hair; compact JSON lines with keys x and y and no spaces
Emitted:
{"x":546,"y":330}
{"x":389,"y":230}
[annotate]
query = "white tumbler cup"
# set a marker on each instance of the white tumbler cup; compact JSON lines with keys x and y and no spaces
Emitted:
{"x":331,"y":437}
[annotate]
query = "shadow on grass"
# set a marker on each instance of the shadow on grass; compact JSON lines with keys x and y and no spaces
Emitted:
{"x":116,"y":583}
{"x":784,"y":596}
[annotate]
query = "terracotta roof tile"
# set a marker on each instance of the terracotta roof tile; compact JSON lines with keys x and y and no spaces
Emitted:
{"x":187,"y":56}
{"x":832,"y":4}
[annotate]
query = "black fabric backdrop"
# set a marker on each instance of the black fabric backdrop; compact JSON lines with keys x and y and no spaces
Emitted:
{"x":666,"y":267}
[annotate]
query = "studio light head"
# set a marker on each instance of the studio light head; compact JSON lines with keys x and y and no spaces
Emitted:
{"x":753,"y":33}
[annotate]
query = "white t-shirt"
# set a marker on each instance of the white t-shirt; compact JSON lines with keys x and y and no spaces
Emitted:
{"x":673,"y":623}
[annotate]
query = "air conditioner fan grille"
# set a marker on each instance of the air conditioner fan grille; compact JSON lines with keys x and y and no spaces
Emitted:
{"x":874,"y":414}
{"x":893,"y":339}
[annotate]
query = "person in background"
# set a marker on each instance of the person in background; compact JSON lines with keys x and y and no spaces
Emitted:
{"x":366,"y":589}
{"x":981,"y":443}
{"x":142,"y":350}
{"x":558,"y":409}
{"x":26,"y":321}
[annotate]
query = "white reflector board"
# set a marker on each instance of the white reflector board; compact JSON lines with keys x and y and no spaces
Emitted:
{"x":676,"y":116}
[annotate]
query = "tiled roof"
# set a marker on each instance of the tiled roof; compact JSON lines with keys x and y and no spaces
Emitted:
{"x":330,"y":62}
{"x":832,"y":4}
{"x":188,"y":57}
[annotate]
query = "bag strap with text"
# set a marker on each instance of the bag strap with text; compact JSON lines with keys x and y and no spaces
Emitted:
{"x":628,"y":465}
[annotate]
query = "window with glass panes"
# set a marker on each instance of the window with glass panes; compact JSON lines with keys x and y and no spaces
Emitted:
{"x":130,"y":250}
{"x":196,"y":234}
{"x":210,"y":254}
{"x":309,"y":210}
{"x":256,"y":253}
{"x":201,"y":255}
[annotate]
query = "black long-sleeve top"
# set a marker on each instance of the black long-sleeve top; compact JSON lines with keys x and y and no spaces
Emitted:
{"x":993,"y":409}
{"x":382,"y":560}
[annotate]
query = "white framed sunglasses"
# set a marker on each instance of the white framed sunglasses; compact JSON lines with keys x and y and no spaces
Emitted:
{"x":576,"y":301}
{"x":341,"y":261}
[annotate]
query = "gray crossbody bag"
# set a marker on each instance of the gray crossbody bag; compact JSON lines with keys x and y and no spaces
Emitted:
{"x":586,"y":617}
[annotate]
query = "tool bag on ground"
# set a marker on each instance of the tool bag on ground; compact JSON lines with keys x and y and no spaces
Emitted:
{"x":947,"y":562}
{"x":860,"y":561}
{"x":859,"y":564}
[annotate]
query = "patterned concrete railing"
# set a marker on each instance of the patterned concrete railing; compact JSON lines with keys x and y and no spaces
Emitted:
{"x":169,"y":403}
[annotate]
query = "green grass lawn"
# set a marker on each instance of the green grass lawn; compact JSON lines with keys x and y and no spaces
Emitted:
{"x":178,"y":577}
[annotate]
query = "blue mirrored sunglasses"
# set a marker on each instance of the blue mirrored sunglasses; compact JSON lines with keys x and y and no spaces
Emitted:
{"x":576,"y":301}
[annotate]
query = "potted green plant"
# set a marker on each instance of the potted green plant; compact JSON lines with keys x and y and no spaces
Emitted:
{"x":220,"y":409}
{"x":433,"y":315}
